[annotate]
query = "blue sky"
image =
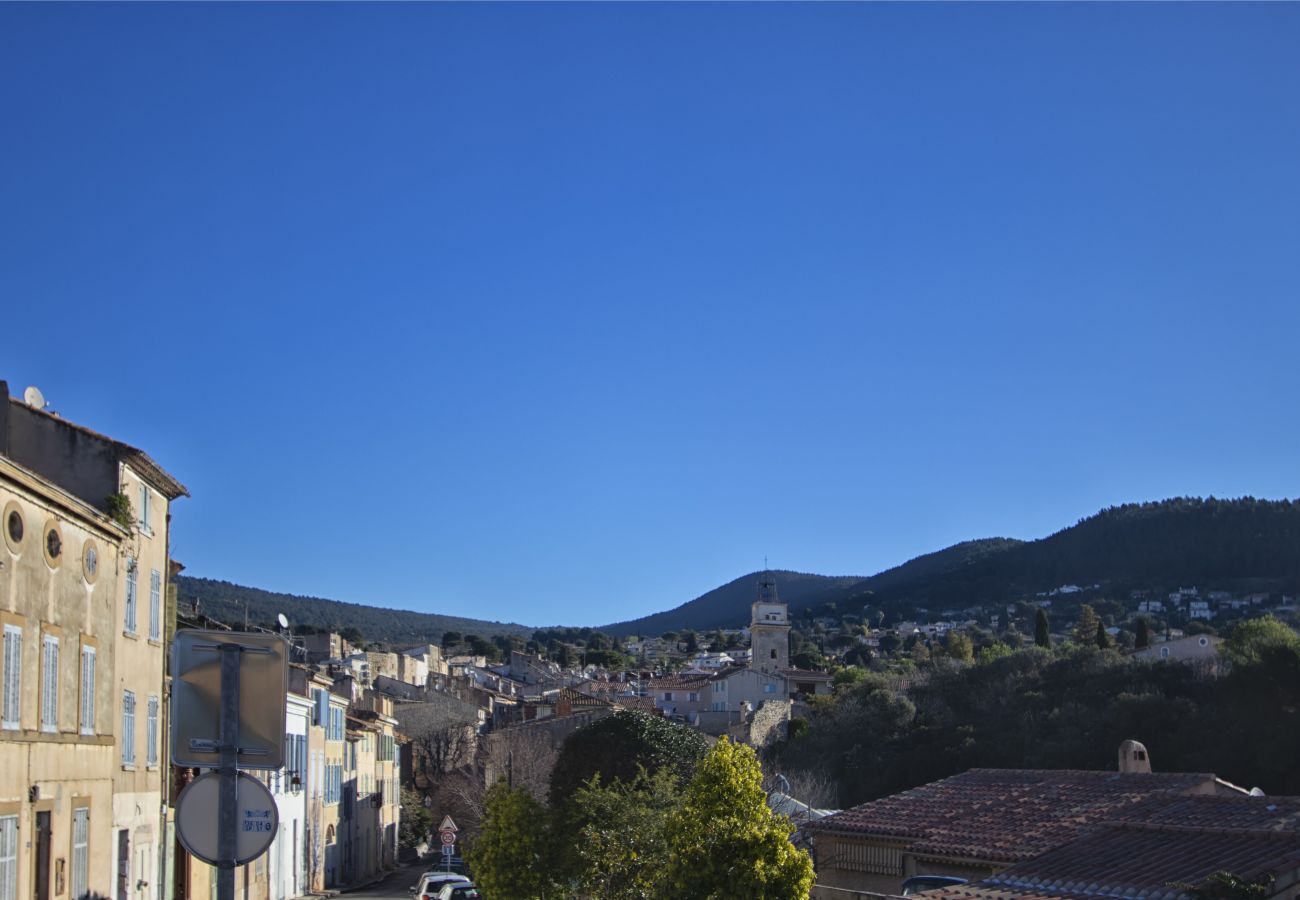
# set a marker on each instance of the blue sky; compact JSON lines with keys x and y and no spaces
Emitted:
{"x":569,"y":313}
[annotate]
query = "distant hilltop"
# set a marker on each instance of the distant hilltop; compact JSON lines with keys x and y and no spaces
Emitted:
{"x":1244,"y":544}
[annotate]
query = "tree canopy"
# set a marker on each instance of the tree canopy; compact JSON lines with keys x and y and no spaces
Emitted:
{"x":619,"y":746}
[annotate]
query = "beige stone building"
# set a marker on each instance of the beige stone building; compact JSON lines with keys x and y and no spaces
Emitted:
{"x":82,"y":590}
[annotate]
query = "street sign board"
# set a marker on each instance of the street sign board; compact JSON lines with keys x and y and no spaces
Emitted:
{"x":448,"y":837}
{"x":196,"y":818}
{"x":196,"y":698}
{"x":448,"y":824}
{"x":448,"y":850}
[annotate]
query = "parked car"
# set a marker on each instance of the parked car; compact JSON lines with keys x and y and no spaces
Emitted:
{"x":459,"y":892}
{"x":432,"y":883}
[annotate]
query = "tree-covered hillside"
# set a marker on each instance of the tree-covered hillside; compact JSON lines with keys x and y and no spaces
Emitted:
{"x":1184,"y":541}
{"x":728,"y":606}
{"x":226,"y":602}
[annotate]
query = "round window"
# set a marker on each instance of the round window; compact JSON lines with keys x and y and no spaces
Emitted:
{"x":14,"y":526}
{"x":53,"y":545}
{"x":90,"y":561}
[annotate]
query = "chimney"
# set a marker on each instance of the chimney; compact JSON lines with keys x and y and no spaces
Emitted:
{"x":1133,"y":758}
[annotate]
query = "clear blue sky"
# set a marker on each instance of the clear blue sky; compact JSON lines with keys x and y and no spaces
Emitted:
{"x":569,"y":313}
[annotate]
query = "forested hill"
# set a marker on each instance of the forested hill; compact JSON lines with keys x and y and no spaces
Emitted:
{"x":728,"y":606}
{"x":225,"y":601}
{"x":1244,"y":543}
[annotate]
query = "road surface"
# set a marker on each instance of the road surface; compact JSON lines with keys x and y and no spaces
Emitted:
{"x":397,"y":885}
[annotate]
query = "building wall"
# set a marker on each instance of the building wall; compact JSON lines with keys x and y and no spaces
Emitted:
{"x":60,"y":770}
{"x":769,"y":636}
{"x":138,"y":654}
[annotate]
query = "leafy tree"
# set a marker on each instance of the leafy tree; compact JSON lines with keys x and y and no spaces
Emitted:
{"x":1251,"y":638}
{"x":352,"y":635}
{"x":621,"y":848}
{"x":1227,"y":886}
{"x":725,"y":842}
{"x":511,"y":856}
{"x":959,"y":647}
{"x":451,"y":639}
{"x":1102,"y":638}
{"x":1085,"y":629}
{"x":609,"y":659}
{"x":692,"y":641}
{"x":848,"y":676}
{"x":1042,"y":632}
{"x":417,"y":821}
{"x":617,"y":747}
{"x":1143,"y":638}
{"x":995,"y":651}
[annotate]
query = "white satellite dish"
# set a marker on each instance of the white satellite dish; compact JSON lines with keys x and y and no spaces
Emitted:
{"x":284,"y":622}
{"x":34,"y":398}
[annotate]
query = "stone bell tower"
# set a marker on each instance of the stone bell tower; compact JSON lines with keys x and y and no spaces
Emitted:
{"x":769,"y":630}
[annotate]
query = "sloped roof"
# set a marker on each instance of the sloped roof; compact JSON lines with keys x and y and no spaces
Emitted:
{"x":1162,"y":842}
{"x":1005,"y":815}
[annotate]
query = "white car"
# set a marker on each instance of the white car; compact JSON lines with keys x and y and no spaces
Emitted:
{"x":455,"y":891}
{"x":432,"y":883}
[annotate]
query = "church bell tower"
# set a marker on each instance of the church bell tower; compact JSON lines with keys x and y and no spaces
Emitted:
{"x":769,"y":630}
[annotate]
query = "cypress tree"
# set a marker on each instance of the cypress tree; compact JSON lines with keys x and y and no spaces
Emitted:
{"x":1143,"y":635}
{"x":1103,"y":639}
{"x":1042,"y":635}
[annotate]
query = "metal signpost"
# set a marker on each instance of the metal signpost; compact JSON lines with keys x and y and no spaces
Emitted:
{"x":212,"y":672}
{"x":447,"y":831}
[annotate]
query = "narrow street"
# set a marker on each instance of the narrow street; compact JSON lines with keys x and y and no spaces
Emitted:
{"x":398,"y":884}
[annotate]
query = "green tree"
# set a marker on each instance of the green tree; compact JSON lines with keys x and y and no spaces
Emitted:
{"x":1143,"y":638}
{"x":1252,"y":638}
{"x":994,"y":651}
{"x":959,"y":647}
{"x":619,"y":746}
{"x":724,"y":841}
{"x":1042,"y":632}
{"x":1102,"y":638}
{"x":417,"y":821}
{"x":1226,"y":886}
{"x":451,"y":639}
{"x":512,"y":855}
{"x":1085,"y":629}
{"x":621,"y":847}
{"x":692,"y":641}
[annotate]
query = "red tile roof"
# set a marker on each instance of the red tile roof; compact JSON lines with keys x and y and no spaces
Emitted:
{"x":1005,"y":815}
{"x":1128,"y":860}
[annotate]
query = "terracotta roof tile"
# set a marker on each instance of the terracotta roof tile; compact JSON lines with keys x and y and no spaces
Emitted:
{"x":1005,"y":815}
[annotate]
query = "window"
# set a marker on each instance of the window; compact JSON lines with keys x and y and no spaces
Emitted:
{"x":319,"y":706}
{"x":719,"y":687}
{"x":151,"y":751}
{"x":668,"y":695}
{"x":128,"y":728}
{"x":49,"y":682}
{"x":13,"y":678}
{"x":80,"y":852}
{"x":155,"y":604}
{"x":1164,"y":652}
{"x":692,"y":697}
{"x":769,"y":688}
{"x":774,"y":653}
{"x":146,"y":514}
{"x":8,"y":858}
{"x":132,"y":572}
{"x":15,"y":526}
{"x":87,"y":689}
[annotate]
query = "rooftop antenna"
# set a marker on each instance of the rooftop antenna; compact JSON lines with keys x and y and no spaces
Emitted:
{"x":34,"y":398}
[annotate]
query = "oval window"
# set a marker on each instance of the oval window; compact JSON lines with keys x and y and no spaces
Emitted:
{"x":53,"y":544}
{"x":90,"y":561}
{"x":15,"y":526}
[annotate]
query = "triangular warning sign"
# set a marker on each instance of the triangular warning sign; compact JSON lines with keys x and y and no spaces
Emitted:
{"x":447,"y":824}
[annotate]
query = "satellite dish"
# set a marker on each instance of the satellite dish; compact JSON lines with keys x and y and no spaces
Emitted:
{"x":34,"y":398}
{"x":284,"y":622}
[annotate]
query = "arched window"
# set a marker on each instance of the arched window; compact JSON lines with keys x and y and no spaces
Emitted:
{"x":329,"y":835}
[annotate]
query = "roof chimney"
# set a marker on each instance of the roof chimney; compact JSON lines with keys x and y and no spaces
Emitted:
{"x":1133,"y":757}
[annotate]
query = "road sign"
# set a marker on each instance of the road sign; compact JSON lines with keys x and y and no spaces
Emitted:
{"x":448,"y":837}
{"x":196,"y":698}
{"x":196,"y":818}
{"x":448,"y":850}
{"x":448,"y":824}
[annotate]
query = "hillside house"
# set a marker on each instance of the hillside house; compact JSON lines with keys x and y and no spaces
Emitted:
{"x":1196,"y":648}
